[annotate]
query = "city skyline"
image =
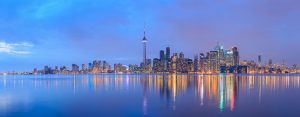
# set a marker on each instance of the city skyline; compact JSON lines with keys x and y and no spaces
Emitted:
{"x":35,"y":34}
{"x":216,"y":61}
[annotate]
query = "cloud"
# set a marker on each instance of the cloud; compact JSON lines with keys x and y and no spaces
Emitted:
{"x":15,"y":48}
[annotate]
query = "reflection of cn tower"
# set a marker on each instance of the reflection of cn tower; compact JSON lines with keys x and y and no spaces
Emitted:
{"x":145,"y":100}
{"x":201,"y":90}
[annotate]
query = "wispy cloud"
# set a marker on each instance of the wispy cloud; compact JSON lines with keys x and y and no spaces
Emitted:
{"x":15,"y":48}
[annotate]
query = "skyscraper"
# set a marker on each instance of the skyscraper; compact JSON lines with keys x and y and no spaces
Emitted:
{"x":168,"y":53}
{"x":228,"y":54}
{"x":162,"y":60}
{"x":162,"y":55}
{"x":75,"y":69}
{"x":173,"y":63}
{"x":168,"y":59}
{"x":46,"y":70}
{"x":203,"y":63}
{"x":259,"y":58}
{"x":156,"y":65}
{"x":213,"y":61}
{"x":196,"y":63}
{"x":83,"y":68}
{"x":189,"y":66}
{"x":181,"y":63}
{"x":105,"y":67}
{"x":235,"y":55}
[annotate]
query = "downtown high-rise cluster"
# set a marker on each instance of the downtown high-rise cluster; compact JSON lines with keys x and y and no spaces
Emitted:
{"x":218,"y":60}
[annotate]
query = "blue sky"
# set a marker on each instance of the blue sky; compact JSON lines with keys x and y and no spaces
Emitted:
{"x":61,"y":32}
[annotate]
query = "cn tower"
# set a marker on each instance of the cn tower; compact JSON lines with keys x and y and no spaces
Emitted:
{"x":144,"y":41}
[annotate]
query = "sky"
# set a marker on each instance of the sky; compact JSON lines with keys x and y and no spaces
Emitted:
{"x":35,"y":33}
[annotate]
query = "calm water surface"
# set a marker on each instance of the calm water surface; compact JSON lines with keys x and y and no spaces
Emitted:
{"x":150,"y":95}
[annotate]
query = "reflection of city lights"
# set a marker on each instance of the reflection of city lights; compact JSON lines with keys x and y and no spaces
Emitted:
{"x":127,"y":81}
{"x":221,"y":101}
{"x":223,"y":91}
{"x":232,"y":100}
{"x":221,"y":95}
{"x":202,"y":91}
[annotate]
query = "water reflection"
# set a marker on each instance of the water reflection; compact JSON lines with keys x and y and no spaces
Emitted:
{"x":219,"y":91}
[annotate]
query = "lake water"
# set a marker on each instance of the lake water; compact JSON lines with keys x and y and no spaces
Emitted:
{"x":150,"y":95}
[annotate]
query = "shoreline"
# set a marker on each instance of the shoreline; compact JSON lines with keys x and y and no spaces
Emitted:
{"x":156,"y":74}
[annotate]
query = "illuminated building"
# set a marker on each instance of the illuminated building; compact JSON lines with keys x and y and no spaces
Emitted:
{"x":220,"y":55}
{"x":203,"y":63}
{"x":189,"y":65}
{"x":156,"y":65}
{"x":96,"y":67}
{"x":47,"y":70}
{"x":118,"y":68}
{"x":168,"y":53}
{"x":181,"y":64}
{"x":159,"y":64}
{"x":148,"y":64}
{"x":259,"y":60}
{"x":83,"y":69}
{"x":295,"y":68}
{"x":228,"y":57}
{"x":63,"y":70}
{"x":56,"y":71}
{"x":35,"y":71}
{"x":236,"y":56}
{"x":162,"y":55}
{"x":75,"y":69}
{"x":162,"y":60}
{"x":213,"y":62}
{"x":168,"y":59}
{"x":174,"y":63}
{"x":105,"y":67}
{"x":134,"y":68}
{"x":196,"y":63}
{"x":125,"y":69}
{"x":251,"y":66}
{"x":90,"y":67}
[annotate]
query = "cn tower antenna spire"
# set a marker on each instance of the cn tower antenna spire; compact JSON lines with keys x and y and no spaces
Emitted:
{"x":144,"y":29}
